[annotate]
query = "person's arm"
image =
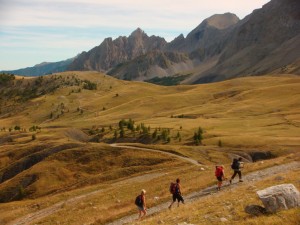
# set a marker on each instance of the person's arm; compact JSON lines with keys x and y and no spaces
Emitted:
{"x":144,"y":201}
{"x":179,"y":188}
{"x":224,"y":177}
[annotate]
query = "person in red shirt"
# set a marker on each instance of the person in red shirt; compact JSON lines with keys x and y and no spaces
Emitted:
{"x":220,"y":175}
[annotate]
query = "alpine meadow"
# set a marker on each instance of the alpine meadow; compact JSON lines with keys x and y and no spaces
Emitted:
{"x":80,"y":138}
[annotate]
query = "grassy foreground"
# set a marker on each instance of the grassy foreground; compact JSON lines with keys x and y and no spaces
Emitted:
{"x":55,"y":153}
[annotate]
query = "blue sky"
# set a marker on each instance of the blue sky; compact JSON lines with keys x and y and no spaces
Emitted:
{"x":34,"y":31}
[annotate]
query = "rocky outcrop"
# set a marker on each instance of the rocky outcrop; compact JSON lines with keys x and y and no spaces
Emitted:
{"x":255,"y":45}
{"x":255,"y":210}
{"x":111,"y":52}
{"x":153,"y":64}
{"x":207,"y":36}
{"x":275,"y":198}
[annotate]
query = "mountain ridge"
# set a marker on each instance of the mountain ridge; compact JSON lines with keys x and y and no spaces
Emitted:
{"x":221,"y":47}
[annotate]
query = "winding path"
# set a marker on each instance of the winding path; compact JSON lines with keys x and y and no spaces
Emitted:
{"x":160,"y":151}
{"x":251,"y":177}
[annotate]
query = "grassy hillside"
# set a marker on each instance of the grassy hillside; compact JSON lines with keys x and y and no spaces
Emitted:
{"x":55,"y":133}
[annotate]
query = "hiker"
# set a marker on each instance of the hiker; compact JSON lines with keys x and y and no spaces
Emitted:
{"x":140,"y":202}
{"x":237,"y":165}
{"x":175,"y":189}
{"x":220,"y":174}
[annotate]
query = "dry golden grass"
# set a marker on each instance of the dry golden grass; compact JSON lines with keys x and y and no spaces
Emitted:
{"x":230,"y":204}
{"x":251,"y":112}
{"x":246,"y":115}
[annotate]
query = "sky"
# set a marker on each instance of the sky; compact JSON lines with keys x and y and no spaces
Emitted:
{"x":35,"y":31}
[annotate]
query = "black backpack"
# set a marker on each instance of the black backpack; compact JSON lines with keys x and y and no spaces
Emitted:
{"x":235,"y":164}
{"x":138,"y":200}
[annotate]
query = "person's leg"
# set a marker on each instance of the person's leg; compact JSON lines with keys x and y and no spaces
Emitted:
{"x":174,"y":199}
{"x":232,"y":177}
{"x":240,"y":175}
{"x":180,"y":199}
{"x":234,"y":174}
{"x":144,"y":213}
{"x":140,"y":214}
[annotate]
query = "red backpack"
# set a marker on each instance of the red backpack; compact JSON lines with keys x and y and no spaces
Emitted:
{"x":219,"y":171}
{"x":173,"y":187}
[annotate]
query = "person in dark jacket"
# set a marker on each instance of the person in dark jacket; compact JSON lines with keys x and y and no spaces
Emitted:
{"x":237,"y":165}
{"x":142,"y":206}
{"x":177,"y":195}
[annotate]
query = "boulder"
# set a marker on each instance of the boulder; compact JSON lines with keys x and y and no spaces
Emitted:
{"x":255,"y":210}
{"x":275,"y":198}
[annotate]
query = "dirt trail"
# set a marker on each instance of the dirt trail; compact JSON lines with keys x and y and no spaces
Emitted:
{"x":50,"y":210}
{"x":251,"y":177}
{"x":56,"y":207}
{"x":254,"y":176}
{"x":154,"y":150}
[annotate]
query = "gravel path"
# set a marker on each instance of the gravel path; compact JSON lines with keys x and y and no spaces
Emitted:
{"x":154,"y":150}
{"x":254,"y":176}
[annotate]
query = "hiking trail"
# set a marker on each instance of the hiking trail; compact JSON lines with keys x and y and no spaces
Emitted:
{"x":160,"y":151}
{"x":248,"y":178}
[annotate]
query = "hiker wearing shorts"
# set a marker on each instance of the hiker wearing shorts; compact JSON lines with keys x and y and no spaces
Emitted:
{"x":220,"y":175}
{"x":176,"y":193}
{"x":237,"y":165}
{"x":141,"y":204}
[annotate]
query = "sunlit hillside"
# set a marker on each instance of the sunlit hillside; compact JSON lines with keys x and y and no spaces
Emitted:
{"x":57,"y":133}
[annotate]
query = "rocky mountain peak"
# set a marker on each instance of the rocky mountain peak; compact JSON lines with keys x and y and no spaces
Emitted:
{"x":137,"y":32}
{"x":222,"y":21}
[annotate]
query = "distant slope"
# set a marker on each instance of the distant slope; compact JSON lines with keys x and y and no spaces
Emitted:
{"x":265,"y":41}
{"x":206,"y":37}
{"x":153,"y":64}
{"x":43,"y":68}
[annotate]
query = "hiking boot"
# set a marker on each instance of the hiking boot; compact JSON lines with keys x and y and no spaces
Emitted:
{"x":230,"y":181}
{"x":241,"y":180}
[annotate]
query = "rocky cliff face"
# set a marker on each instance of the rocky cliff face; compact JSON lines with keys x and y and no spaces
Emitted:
{"x":207,"y":36}
{"x":113,"y":52}
{"x":255,"y":45}
{"x":138,"y":56}
{"x":153,"y":64}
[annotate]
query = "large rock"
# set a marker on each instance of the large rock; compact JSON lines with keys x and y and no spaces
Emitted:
{"x":284,"y":196}
{"x":255,"y":210}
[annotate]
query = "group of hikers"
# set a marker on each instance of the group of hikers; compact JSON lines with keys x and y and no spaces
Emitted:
{"x":175,"y":188}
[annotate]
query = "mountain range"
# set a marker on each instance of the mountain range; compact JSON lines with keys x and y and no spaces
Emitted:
{"x":222,"y":47}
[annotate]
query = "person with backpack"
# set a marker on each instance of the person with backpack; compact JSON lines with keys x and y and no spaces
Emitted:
{"x":140,"y":202}
{"x":220,"y":175}
{"x":237,"y":165}
{"x":175,"y":189}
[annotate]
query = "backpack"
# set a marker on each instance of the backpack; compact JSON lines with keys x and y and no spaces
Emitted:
{"x":235,"y":164}
{"x":139,"y":201}
{"x":173,"y":188}
{"x":219,"y":171}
